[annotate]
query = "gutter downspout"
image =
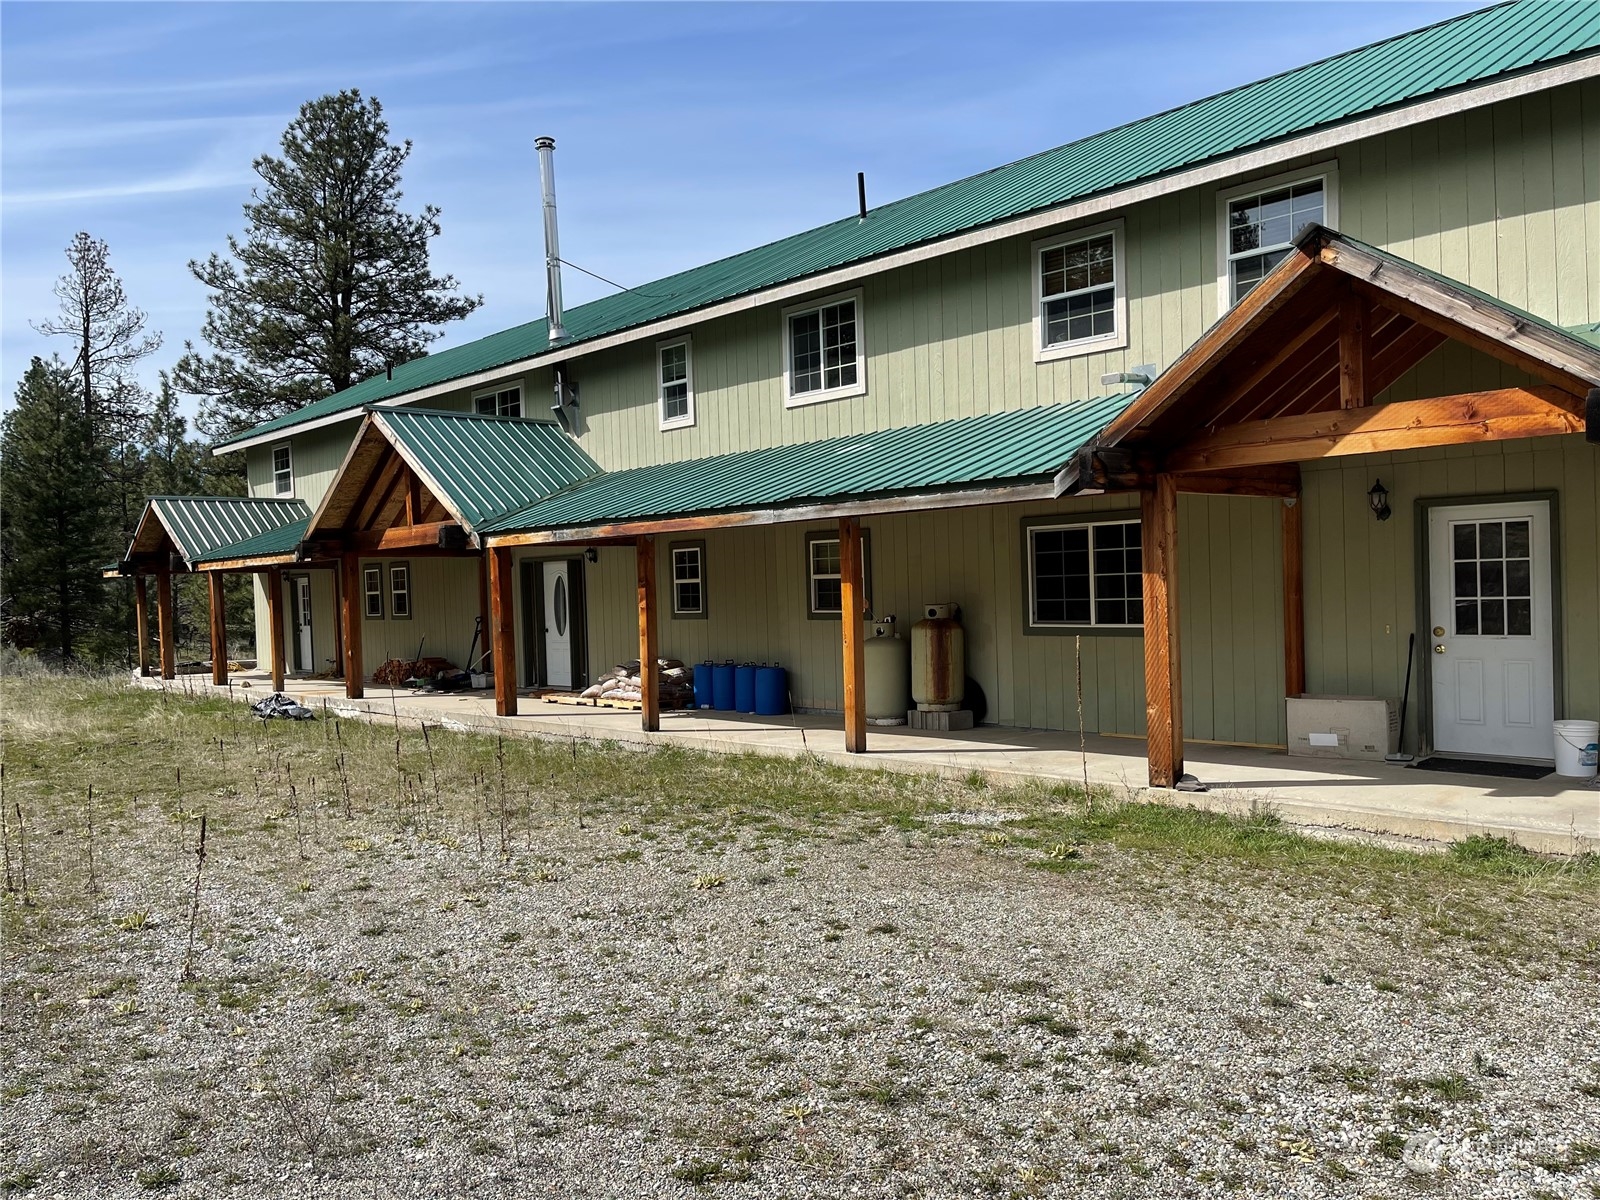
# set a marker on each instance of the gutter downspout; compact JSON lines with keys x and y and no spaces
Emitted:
{"x":552,"y":245}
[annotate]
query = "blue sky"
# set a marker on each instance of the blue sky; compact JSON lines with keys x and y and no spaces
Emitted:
{"x":684,"y":132}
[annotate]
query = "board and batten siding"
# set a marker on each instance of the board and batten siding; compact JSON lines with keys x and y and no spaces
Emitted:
{"x":1360,"y":574}
{"x":314,"y":459}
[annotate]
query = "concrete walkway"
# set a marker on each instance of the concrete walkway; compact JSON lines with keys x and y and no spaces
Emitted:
{"x":1550,"y":815}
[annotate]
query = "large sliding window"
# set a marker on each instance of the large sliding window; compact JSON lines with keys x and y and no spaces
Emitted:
{"x":1085,"y":574}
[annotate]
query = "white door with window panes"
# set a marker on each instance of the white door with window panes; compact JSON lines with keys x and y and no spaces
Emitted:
{"x":302,"y":622}
{"x":557,"y":624}
{"x":1491,"y":629}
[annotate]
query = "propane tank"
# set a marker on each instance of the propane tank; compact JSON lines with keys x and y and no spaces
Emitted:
{"x":938,"y":659}
{"x":888,"y":667}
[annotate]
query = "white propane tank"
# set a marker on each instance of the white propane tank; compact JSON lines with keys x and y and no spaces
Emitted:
{"x":888,"y":666}
{"x":938,"y":659}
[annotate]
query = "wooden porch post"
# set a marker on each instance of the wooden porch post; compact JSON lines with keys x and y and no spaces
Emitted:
{"x":274,"y":585}
{"x":1294,"y":589}
{"x":219,"y":628}
{"x":1163,"y":705}
{"x":851,"y":607}
{"x":649,"y":669}
{"x":1354,"y":354}
{"x":141,"y":612}
{"x":484,"y":614}
{"x":350,"y":622}
{"x":504,"y":643}
{"x":164,"y":630}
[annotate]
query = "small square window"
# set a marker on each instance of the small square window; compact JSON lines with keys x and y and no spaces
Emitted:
{"x":688,"y":579}
{"x":502,"y":402}
{"x":824,"y":356}
{"x":400,"y":591}
{"x":372,"y":590}
{"x":824,"y":579}
{"x":282,"y":472}
{"x":675,"y":383}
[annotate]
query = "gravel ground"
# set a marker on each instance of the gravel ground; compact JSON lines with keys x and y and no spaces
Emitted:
{"x":732,"y":1007}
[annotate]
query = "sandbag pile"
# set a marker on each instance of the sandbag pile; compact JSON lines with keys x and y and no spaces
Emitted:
{"x":622,"y":682}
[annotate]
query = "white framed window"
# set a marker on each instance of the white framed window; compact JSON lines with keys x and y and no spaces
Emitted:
{"x":1080,"y":302}
{"x":675,"y":382}
{"x":372,"y":592}
{"x":824,"y":582}
{"x":498,"y":402}
{"x":1257,"y":223}
{"x":282,"y":470}
{"x":688,"y":579}
{"x":824,"y":350}
{"x":1085,"y":574}
{"x":400,"y":591}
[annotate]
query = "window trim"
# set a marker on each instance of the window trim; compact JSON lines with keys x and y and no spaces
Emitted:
{"x":1117,"y":339}
{"x":367,"y":593}
{"x":1327,"y":171}
{"x":497,"y":390}
{"x":823,"y":395}
{"x":1030,"y":627}
{"x":287,"y":473}
{"x":685,"y":421}
{"x":699,"y":546}
{"x":832,"y":535}
{"x":408,"y":591}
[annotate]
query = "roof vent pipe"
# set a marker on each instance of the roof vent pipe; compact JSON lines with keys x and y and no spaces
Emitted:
{"x":552,"y":246}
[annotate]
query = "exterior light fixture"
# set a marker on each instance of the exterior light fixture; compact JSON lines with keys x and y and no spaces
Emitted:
{"x":1378,"y":500}
{"x":592,"y":554}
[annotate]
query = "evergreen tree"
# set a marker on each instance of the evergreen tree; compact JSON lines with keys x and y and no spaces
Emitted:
{"x":174,"y":463}
{"x":54,"y":537}
{"x":331,"y":279}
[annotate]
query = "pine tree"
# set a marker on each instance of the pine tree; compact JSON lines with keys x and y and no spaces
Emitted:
{"x":54,"y":537}
{"x":331,"y":279}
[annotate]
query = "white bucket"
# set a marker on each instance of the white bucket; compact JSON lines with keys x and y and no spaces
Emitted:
{"x":1576,"y":751}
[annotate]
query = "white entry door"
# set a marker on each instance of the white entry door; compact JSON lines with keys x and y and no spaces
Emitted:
{"x":302,"y":622}
{"x":557,"y":625}
{"x":1492,"y":634}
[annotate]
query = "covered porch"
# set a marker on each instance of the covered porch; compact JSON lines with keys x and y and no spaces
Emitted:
{"x":1548,"y":815}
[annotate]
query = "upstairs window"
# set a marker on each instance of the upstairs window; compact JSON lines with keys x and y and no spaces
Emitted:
{"x":1079,"y":305}
{"x":823,"y":350}
{"x":282,"y":473}
{"x":675,"y":383}
{"x":502,"y":402}
{"x":688,"y":579}
{"x":372,"y":592}
{"x":1085,"y":574}
{"x":1259,"y":224}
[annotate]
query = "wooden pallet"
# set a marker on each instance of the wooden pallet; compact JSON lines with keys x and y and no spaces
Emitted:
{"x":578,"y":700}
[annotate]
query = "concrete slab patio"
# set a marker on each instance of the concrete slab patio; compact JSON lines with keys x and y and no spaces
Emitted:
{"x":1552,"y":815}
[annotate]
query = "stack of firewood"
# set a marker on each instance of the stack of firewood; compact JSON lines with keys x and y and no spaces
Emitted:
{"x":623,"y":682}
{"x":397,"y":670}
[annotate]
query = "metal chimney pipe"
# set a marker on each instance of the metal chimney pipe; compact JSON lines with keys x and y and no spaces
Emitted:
{"x":552,"y":245}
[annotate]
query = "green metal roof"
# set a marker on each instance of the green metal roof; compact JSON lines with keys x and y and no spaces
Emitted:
{"x":996,"y":448}
{"x":1454,"y":54}
{"x":488,"y":465}
{"x":200,"y":524}
{"x":273,"y":543}
{"x":1587,"y":333}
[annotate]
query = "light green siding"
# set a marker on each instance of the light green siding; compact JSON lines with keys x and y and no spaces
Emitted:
{"x":314,"y":458}
{"x":1361,"y":587}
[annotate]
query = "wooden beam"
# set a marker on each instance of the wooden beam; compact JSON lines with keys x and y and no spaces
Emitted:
{"x":504,"y":642}
{"x":413,"y":499}
{"x":649,"y":670}
{"x":274,"y":584}
{"x":219,"y":628}
{"x":164,"y":628}
{"x":1355,"y":354}
{"x":401,"y":537}
{"x":1290,"y":351}
{"x":373,"y":495}
{"x":350,"y":618}
{"x":1446,"y":421}
{"x":1163,"y":705}
{"x":141,"y":614}
{"x":1294,"y":592}
{"x":852,"y":608}
{"x":1277,"y":481}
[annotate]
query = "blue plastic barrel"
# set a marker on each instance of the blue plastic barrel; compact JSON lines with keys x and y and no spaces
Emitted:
{"x":722,"y":686}
{"x":702,"y":684}
{"x":772,"y":691}
{"x":744,"y":688}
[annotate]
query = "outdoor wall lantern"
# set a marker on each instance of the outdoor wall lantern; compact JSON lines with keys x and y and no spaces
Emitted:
{"x":1378,"y":500}
{"x":592,"y":554}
